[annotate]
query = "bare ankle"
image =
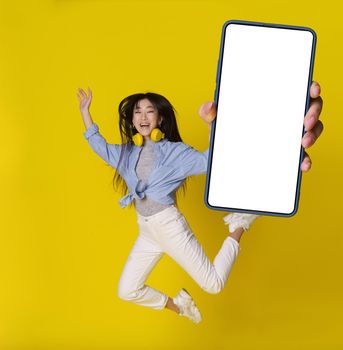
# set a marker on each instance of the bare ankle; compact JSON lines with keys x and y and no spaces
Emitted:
{"x":171,"y":306}
{"x":237,"y":234}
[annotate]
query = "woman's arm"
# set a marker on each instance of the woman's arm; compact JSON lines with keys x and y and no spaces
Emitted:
{"x":108,"y":152}
{"x":208,"y":112}
{"x":209,"y":131}
{"x":194,"y":162}
{"x":87,"y":119}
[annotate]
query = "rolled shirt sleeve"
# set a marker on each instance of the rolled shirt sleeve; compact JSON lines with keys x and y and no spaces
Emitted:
{"x":108,"y":152}
{"x":194,"y":162}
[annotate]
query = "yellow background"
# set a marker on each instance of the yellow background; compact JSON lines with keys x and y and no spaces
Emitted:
{"x":64,"y":237}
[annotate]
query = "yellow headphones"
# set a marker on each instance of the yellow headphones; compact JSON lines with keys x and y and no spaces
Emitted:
{"x":156,"y":135}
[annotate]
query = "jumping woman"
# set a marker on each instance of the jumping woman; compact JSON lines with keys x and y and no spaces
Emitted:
{"x":151,"y":164}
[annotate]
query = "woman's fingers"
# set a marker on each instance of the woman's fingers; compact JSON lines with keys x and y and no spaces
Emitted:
{"x":315,"y":89}
{"x":316,"y":105}
{"x":89,"y":93}
{"x":83,"y":95}
{"x":84,"y":100}
{"x":313,"y":113}
{"x":208,"y":111}
{"x":306,"y":163}
{"x":313,"y":125}
{"x":311,"y":136}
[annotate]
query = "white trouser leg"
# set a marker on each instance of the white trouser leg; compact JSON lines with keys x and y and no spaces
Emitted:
{"x":142,"y":259}
{"x":178,"y":241}
{"x":169,"y":232}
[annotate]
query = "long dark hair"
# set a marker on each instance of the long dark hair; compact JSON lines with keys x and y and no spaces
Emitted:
{"x":127,"y":130}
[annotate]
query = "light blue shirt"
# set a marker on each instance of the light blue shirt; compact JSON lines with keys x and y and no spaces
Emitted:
{"x":174,"y":162}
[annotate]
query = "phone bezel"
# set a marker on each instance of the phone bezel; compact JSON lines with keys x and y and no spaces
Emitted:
{"x":216,"y":97}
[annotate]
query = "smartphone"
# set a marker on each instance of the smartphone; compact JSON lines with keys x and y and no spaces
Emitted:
{"x":262,"y":94}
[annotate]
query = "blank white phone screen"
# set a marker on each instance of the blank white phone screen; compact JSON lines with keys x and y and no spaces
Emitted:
{"x":260,"y":115}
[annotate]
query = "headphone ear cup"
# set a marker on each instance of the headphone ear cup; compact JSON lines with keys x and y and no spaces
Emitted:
{"x":156,"y":135}
{"x":137,"y":139}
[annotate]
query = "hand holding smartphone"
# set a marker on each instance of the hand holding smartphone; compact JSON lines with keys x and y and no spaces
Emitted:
{"x":262,"y":94}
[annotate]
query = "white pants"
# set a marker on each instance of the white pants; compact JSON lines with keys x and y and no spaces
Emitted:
{"x":168,"y":232}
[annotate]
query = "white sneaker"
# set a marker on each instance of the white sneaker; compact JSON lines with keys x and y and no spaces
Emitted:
{"x":187,"y":307}
{"x":236,"y":220}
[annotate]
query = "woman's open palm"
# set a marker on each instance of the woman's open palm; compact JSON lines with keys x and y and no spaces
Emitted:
{"x":84,"y":100}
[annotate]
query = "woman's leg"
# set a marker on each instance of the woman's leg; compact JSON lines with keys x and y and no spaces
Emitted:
{"x":179,"y":242}
{"x":171,"y":306}
{"x":237,"y":234}
{"x":143,"y":257}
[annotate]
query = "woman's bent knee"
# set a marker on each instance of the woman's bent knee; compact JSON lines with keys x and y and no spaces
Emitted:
{"x":214,"y":289}
{"x":127,"y":294}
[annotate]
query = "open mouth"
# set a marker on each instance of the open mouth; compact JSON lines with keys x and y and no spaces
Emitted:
{"x":144,"y":126}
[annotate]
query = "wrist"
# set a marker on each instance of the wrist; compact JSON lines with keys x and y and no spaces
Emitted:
{"x":85,"y":112}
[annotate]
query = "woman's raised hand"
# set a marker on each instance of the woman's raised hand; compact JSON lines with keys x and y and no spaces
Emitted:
{"x":84,"y":100}
{"x":208,"y":112}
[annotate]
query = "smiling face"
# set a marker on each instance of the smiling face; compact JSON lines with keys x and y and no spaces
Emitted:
{"x":145,"y":118}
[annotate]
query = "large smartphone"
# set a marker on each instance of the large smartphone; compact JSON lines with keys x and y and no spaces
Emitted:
{"x":262,"y":94}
